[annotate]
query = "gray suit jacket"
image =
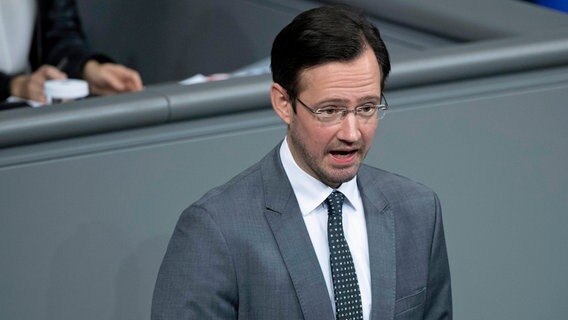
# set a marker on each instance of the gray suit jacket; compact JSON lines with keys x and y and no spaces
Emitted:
{"x":243,"y":252}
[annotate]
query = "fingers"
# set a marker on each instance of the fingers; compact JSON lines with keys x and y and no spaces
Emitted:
{"x":129,"y":78}
{"x":30,"y":87}
{"x":108,"y":78}
{"x":104,"y":79}
{"x":37,"y":81}
{"x":48,"y":72}
{"x":112,"y":79}
{"x":134,"y":80}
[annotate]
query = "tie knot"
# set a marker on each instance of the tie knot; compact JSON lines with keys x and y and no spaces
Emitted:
{"x":335,"y":202}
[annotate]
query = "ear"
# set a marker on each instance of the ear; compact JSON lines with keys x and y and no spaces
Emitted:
{"x":280,"y":103}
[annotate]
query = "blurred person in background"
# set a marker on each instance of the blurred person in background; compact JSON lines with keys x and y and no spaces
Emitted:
{"x":42,"y":40}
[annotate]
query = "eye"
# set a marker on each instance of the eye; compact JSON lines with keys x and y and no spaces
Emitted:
{"x":330,"y":111}
{"x":366,"y":109}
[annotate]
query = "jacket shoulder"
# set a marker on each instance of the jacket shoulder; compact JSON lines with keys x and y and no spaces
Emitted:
{"x":390,"y":183}
{"x":240,"y":186}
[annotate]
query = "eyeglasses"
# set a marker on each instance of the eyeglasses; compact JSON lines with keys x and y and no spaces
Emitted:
{"x":331,"y":114}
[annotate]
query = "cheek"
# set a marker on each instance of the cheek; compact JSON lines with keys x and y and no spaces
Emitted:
{"x":368,"y":132}
{"x":321,"y":138}
{"x":312,"y":133}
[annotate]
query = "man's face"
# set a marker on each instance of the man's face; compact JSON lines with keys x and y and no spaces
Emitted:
{"x":332,"y":153}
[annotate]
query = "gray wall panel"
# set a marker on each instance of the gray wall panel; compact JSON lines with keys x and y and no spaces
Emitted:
{"x":498,"y":165}
{"x":82,"y":236}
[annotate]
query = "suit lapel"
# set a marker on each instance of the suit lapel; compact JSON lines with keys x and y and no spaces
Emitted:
{"x":285,"y":219}
{"x":382,"y":246}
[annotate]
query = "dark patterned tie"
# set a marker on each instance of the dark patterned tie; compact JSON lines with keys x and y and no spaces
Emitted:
{"x":345,"y":286}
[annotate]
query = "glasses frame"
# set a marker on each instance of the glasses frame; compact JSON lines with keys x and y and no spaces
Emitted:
{"x":381,"y":110}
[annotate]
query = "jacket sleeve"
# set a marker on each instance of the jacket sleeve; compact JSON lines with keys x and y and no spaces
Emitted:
{"x":4,"y":86}
{"x":197,"y":277}
{"x":439,"y":296}
{"x":60,"y":40}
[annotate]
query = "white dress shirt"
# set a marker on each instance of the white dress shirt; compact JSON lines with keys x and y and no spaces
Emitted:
{"x":17,"y":19}
{"x":311,"y":194}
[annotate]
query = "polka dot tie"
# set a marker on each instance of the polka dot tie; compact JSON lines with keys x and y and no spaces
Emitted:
{"x":345,"y":285}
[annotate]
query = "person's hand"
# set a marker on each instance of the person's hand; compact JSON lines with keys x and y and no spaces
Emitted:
{"x":109,"y":78}
{"x":30,"y":87}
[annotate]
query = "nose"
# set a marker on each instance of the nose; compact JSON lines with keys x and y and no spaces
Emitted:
{"x":349,"y":130}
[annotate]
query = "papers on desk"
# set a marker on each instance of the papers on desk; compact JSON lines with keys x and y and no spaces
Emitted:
{"x":261,"y":67}
{"x":199,"y":78}
{"x":31,"y":103}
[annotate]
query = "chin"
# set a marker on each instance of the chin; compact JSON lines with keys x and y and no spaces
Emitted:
{"x":337,"y":177}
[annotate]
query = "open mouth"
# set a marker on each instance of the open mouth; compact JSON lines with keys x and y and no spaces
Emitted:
{"x":343,"y":154}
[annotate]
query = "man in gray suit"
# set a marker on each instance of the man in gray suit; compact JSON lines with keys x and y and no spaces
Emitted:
{"x":310,"y":232}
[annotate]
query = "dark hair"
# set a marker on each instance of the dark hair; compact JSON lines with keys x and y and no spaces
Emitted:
{"x":321,"y":35}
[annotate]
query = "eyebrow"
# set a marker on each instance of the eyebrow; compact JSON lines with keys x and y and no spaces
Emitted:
{"x":345,"y":101}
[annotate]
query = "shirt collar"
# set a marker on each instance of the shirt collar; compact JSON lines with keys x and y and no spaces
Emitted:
{"x":309,"y":191}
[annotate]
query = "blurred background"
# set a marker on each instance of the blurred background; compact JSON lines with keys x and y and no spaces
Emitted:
{"x":171,"y":40}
